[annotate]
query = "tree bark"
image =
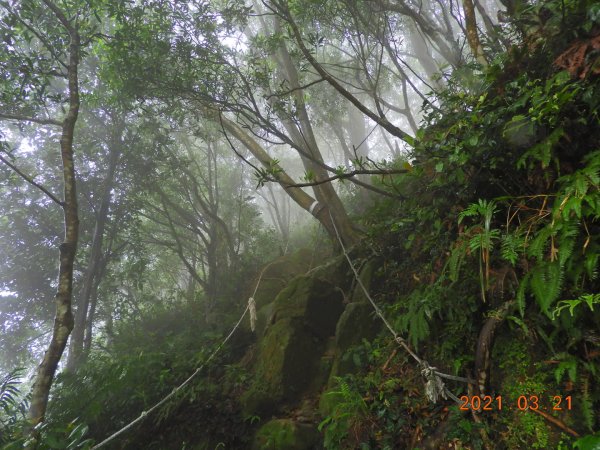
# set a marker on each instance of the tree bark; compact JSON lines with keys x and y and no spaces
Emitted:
{"x":472,"y":34}
{"x":304,"y":138}
{"x":317,"y":209}
{"x":63,"y":321}
{"x":91,"y":278}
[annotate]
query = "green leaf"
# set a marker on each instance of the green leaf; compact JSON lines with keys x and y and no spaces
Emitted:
{"x":591,"y":442}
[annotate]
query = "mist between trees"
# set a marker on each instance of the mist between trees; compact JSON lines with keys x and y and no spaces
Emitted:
{"x":160,"y":153}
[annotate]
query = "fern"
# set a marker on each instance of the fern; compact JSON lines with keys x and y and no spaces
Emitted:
{"x":566,"y":241}
{"x":349,"y":410}
{"x":12,"y":406}
{"x":546,"y":282}
{"x":580,"y":195}
{"x":538,"y":245}
{"x":568,"y":365}
{"x":587,"y":406}
{"x":421,"y":305}
{"x":591,"y":265}
{"x":511,"y":247}
{"x":455,"y":262}
{"x":589,"y":299}
{"x":9,"y":391}
{"x":521,"y":301}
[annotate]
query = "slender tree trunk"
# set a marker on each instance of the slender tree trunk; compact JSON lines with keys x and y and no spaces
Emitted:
{"x":472,"y":34}
{"x":89,"y":325}
{"x":305,"y":201}
{"x":63,"y":321}
{"x":304,"y":137}
{"x":92,"y":272}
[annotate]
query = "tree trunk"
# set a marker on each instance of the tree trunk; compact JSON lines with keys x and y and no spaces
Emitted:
{"x":472,"y":34}
{"x":319,"y":210}
{"x":92,"y":272}
{"x":304,"y":138}
{"x":63,"y":321}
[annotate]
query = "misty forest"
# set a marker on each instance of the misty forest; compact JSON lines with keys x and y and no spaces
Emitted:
{"x":299,"y":224}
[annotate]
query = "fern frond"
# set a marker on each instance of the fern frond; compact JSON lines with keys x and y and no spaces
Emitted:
{"x":471,"y":211}
{"x":455,"y":261}
{"x":523,"y":285}
{"x":591,"y":264}
{"x":566,"y":240}
{"x":512,"y":245}
{"x":546,"y":283}
{"x":537,"y":247}
{"x":587,"y":406}
{"x":9,"y":390}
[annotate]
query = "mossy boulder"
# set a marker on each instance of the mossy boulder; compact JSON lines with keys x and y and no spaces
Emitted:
{"x":289,"y":359}
{"x":285,"y":366}
{"x":286,"y":434}
{"x":336,"y":271}
{"x":357,"y":322}
{"x":263,"y":316}
{"x":317,"y":302}
{"x":277,"y":275}
{"x":329,"y":400}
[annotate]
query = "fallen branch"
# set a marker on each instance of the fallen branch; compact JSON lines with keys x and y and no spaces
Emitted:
{"x":555,"y":421}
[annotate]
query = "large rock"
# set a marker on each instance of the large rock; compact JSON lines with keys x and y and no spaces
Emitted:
{"x":357,"y":322}
{"x":277,"y":275}
{"x":317,"y":302}
{"x":289,"y":359}
{"x":285,"y":434}
{"x":336,"y":271}
{"x":284,"y":368}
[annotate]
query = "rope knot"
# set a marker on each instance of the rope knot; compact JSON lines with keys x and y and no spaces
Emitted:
{"x":434,"y":386}
{"x":252,"y":307}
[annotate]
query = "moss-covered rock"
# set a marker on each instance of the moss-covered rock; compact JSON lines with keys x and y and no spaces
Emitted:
{"x":276,"y":275}
{"x":285,"y":366}
{"x":263,"y":316}
{"x":357,"y":322}
{"x":286,"y":434}
{"x":336,"y":271}
{"x":328,"y":401}
{"x":289,"y":359}
{"x":317,"y":302}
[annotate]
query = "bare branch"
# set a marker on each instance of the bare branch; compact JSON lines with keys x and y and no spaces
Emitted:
{"x":32,"y":182}
{"x":343,"y":176}
{"x":299,"y":88}
{"x":21,"y":118}
{"x":386,"y":124}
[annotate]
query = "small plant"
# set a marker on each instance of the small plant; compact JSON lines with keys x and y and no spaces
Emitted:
{"x":13,"y":406}
{"x":588,"y":299}
{"x":482,"y":238}
{"x":347,"y":415}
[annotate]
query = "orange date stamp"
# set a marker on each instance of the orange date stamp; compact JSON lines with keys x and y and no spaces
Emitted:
{"x":522,"y":403}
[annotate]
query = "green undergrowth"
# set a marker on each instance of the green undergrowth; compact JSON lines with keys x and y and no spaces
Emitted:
{"x":500,"y":218}
{"x":143,"y":365}
{"x":501,"y":212}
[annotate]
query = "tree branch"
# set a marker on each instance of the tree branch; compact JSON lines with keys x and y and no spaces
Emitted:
{"x":32,"y":182}
{"x":386,"y":124}
{"x":299,"y":88}
{"x":30,"y":119}
{"x":61,"y":17}
{"x":343,"y":176}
